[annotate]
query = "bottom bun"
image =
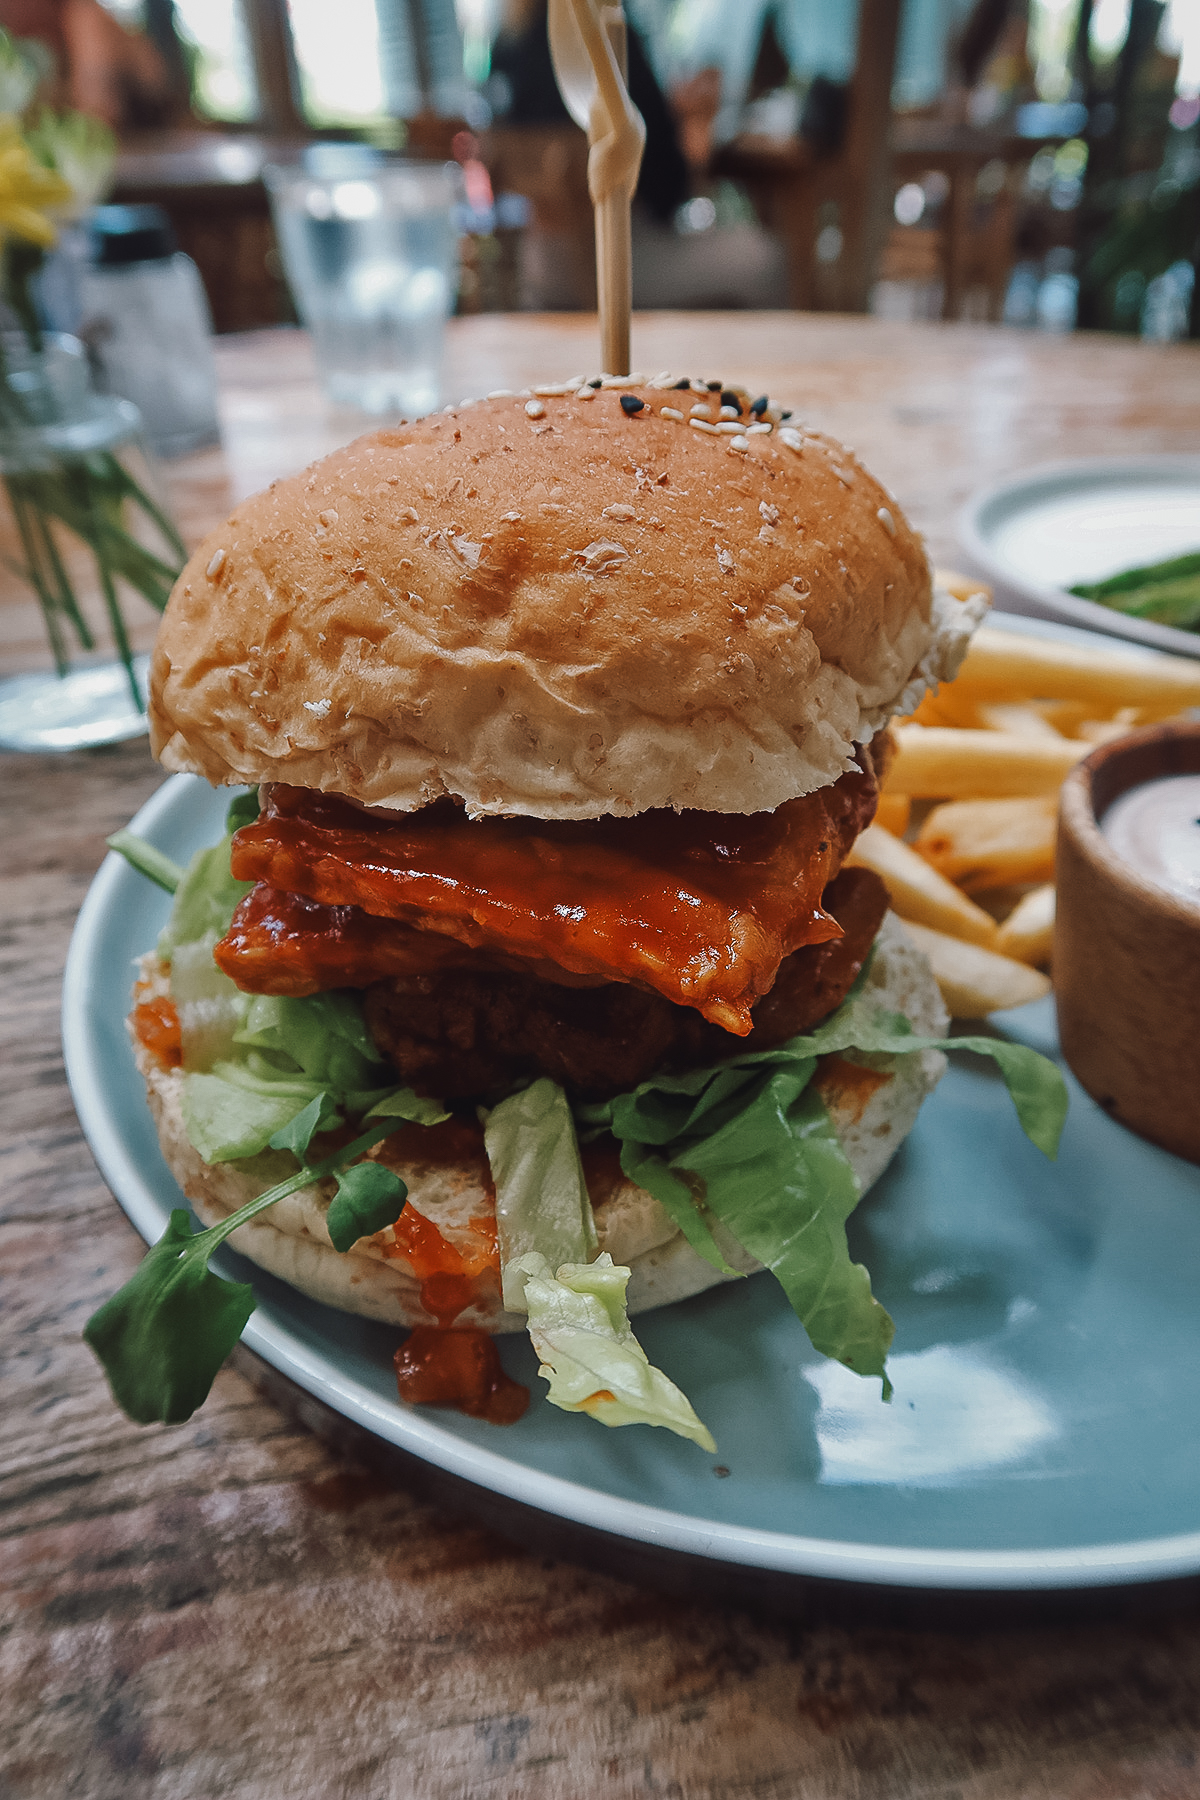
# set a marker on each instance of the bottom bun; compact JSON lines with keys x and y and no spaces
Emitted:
{"x":376,"y":1279}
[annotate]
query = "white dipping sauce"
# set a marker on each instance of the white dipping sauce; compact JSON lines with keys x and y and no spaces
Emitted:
{"x":1156,"y":828}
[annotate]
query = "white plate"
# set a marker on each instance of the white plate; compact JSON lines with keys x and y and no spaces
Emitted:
{"x":1035,"y":536}
{"x":1045,"y":1432}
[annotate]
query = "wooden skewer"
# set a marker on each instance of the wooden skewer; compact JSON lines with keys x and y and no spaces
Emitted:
{"x":617,"y":137}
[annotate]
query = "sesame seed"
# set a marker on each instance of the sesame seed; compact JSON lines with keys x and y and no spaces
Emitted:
{"x":216,"y":564}
{"x":740,"y":442}
{"x":671,"y":412}
{"x":758,"y":407}
{"x":621,"y":381}
{"x":681,"y":387}
{"x":448,"y":409}
{"x":469,"y":401}
{"x":757,"y":430}
{"x":631,"y":404}
{"x":714,"y":387}
{"x":727,"y":426}
{"x":703,"y":425}
{"x":729,"y":398}
{"x":698,"y":387}
{"x":730,"y":412}
{"x":786,"y":413}
{"x":664,"y":379}
{"x":791,"y":438}
{"x":596,"y":381}
{"x":501,"y":394}
{"x":701,"y":412}
{"x":534,"y":409}
{"x":585,"y":393}
{"x":886,"y":520}
{"x":550,"y":388}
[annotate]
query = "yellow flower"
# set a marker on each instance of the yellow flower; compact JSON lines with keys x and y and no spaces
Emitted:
{"x":27,"y":190}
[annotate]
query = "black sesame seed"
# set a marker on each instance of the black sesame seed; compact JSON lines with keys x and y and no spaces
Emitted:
{"x":631,"y":404}
{"x":682,"y":386}
{"x":714,"y":387}
{"x":787,"y":414}
{"x":758,"y":407}
{"x":597,"y":381}
{"x":729,"y":398}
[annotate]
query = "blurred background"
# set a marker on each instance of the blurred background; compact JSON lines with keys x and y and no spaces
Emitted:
{"x":1035,"y":162}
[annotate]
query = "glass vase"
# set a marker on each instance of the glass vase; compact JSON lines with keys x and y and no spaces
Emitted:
{"x":85,"y":530}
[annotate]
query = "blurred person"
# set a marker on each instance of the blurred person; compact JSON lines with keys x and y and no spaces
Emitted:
{"x":736,"y":266}
{"x":529,"y":91}
{"x":101,"y":68}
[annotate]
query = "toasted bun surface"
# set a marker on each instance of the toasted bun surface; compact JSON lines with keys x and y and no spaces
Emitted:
{"x":291,"y":1240}
{"x":581,"y":613}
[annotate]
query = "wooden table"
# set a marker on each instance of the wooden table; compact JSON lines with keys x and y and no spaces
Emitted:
{"x":230,"y":1607}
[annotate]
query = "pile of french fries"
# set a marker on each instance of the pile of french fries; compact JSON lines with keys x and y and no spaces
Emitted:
{"x":965,"y":831}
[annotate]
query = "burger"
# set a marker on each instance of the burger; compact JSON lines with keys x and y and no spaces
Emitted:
{"x":554,"y":718}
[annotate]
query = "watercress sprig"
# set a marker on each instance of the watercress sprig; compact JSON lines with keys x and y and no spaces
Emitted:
{"x":164,"y":1335}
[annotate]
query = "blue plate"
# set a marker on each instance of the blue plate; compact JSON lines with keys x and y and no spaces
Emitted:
{"x":1045,"y":1431}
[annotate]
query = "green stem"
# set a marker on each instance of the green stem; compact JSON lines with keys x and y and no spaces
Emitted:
{"x":36,"y":579}
{"x":116,"y":618}
{"x":146,"y":859}
{"x":154,"y":513}
{"x":66,"y":593}
{"x":205,"y":1242}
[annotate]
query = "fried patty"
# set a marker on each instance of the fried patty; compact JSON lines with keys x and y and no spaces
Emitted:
{"x":461,"y":1032}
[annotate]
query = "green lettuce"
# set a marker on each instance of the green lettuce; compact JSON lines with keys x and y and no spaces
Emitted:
{"x":576,"y":1307}
{"x":541,"y":1197}
{"x":204,"y":900}
{"x":254,"y":1062}
{"x":748,"y":1145}
{"x":589,"y":1355}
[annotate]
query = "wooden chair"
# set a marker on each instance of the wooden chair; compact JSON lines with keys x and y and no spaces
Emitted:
{"x":803,"y":195}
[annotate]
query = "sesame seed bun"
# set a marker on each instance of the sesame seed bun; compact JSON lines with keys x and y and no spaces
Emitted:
{"x":556,"y":607}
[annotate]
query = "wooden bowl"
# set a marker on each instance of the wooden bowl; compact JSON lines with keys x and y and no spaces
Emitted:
{"x":1127,"y":952}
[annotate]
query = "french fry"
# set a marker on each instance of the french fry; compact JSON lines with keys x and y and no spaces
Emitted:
{"x":1102,"y":731}
{"x":974,"y":981}
{"x":1009,"y":666}
{"x":916,"y":889}
{"x":963,"y":587}
{"x":892,"y":812}
{"x":946,"y":708}
{"x":991,"y":843}
{"x":1006,"y":715}
{"x":1027,"y":935}
{"x":937,"y":763}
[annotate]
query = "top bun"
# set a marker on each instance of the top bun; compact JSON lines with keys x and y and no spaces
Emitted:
{"x":553,"y":607}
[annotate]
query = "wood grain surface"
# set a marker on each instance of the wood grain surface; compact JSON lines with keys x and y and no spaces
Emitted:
{"x":233,"y":1608}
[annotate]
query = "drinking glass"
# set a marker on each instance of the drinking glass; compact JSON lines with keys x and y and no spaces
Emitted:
{"x":371,"y":257}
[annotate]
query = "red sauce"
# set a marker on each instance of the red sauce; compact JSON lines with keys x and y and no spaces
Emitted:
{"x":460,"y":1369}
{"x":848,"y":1085}
{"x":157,"y":1026}
{"x":702,"y":907}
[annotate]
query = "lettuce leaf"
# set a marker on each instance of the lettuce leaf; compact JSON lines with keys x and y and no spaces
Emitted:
{"x":588,"y":1352}
{"x":254,"y":1062}
{"x":204,"y":900}
{"x":541,"y":1197}
{"x":749,"y":1143}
